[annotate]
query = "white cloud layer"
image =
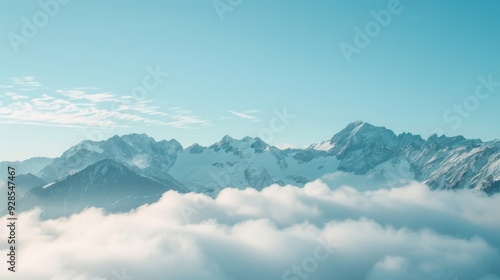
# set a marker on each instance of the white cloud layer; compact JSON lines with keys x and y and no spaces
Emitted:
{"x":287,"y":232}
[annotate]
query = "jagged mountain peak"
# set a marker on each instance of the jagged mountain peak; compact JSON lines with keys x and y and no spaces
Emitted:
{"x":105,"y":168}
{"x":227,"y":138}
{"x":225,"y":142}
{"x":360,"y":128}
{"x":136,"y":151}
{"x":258,"y":144}
{"x":195,"y":148}
{"x":172,"y":142}
{"x":357,"y":123}
{"x":358,"y":134}
{"x":443,"y":138}
{"x":228,"y":144}
{"x":134,"y":138}
{"x":438,"y":142}
{"x":114,"y":142}
{"x":360,"y":148}
{"x":114,"y":138}
{"x":106,"y":184}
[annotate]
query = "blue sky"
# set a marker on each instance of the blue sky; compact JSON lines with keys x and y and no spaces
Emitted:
{"x":82,"y":73}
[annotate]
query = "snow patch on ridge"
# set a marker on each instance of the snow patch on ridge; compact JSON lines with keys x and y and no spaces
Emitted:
{"x":48,"y":185}
{"x":323,"y":146}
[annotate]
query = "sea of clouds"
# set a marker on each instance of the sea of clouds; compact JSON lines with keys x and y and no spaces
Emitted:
{"x":314,"y":232}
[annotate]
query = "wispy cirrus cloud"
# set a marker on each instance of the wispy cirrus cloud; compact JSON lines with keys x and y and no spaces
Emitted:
{"x":247,"y":115}
{"x":27,"y":82}
{"x":140,"y":107}
{"x":180,"y":121}
{"x":15,"y":96}
{"x":79,"y":94}
{"x":86,"y":107}
{"x":179,"y":110}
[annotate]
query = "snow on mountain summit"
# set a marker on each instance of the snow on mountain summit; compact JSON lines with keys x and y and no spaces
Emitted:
{"x":127,"y":171}
{"x":360,"y":148}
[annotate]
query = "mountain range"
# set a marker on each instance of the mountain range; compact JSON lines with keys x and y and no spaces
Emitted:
{"x":127,"y":171}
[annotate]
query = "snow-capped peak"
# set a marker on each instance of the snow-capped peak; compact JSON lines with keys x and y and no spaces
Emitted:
{"x":360,"y":148}
{"x":323,"y":146}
